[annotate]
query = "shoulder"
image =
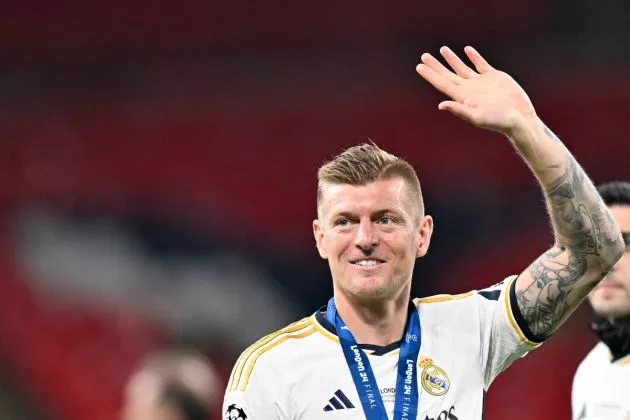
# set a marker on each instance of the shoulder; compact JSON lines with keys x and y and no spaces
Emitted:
{"x":474,"y":310}
{"x":446,"y":304}
{"x":473,"y":297}
{"x":443,"y":298}
{"x":448,"y":311}
{"x":263,"y":354}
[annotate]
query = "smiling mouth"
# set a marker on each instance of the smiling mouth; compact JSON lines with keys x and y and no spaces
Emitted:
{"x":368,"y":262}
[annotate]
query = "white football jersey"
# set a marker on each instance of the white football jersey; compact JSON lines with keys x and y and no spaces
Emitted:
{"x":300,"y":371}
{"x":601,"y":388}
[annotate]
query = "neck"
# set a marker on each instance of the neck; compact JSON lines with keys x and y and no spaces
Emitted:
{"x":616,"y":335}
{"x":374,"y":321}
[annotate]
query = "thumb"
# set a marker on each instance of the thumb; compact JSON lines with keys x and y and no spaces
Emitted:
{"x":465,"y":112}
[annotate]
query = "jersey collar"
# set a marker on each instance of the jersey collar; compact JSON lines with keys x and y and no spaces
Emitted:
{"x":615,"y":335}
{"x":372,"y":349}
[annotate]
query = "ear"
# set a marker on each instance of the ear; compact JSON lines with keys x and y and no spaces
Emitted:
{"x":318,"y":232}
{"x":425,"y":230}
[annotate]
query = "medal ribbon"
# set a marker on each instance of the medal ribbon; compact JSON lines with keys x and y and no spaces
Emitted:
{"x":406,"y":402}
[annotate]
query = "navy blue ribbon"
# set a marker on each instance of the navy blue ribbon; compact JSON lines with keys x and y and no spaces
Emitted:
{"x":406,"y":403}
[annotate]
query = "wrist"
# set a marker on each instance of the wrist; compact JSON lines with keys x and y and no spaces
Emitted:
{"x":526,"y":129}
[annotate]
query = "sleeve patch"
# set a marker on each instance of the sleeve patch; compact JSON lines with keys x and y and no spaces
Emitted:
{"x":235,"y":412}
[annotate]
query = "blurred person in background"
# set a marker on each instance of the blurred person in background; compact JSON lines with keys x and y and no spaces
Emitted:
{"x":171,"y":385}
{"x":601,"y":387}
{"x":372,"y":351}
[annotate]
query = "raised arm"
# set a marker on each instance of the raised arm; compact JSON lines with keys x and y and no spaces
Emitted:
{"x":587,"y":239}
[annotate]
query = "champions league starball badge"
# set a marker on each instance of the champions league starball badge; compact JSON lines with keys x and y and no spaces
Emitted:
{"x":234,"y":412}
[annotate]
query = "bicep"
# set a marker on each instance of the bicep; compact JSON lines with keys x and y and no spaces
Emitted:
{"x":552,"y":287}
{"x":504,"y":335}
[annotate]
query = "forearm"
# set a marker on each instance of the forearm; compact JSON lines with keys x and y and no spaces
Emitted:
{"x":541,"y":149}
{"x":581,"y":222}
{"x":587,"y":239}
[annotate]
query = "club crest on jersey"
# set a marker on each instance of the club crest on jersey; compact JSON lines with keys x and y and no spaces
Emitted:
{"x":434,"y":380}
{"x":234,"y":412}
{"x":424,"y":361}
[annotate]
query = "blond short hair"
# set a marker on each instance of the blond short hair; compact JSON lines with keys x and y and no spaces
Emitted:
{"x":364,"y":164}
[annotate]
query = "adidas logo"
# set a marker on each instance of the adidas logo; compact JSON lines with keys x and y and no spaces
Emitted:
{"x":338,"y":402}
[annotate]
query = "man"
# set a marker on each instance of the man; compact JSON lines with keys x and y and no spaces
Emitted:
{"x":371,"y":352}
{"x":171,"y":385}
{"x":601,"y":387}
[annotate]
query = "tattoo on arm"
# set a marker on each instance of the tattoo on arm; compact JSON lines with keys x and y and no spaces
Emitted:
{"x":551,"y":134}
{"x":569,"y":210}
{"x":587,"y":240}
{"x":549,"y":298}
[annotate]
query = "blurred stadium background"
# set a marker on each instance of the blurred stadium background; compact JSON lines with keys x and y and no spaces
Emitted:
{"x":158,"y":173}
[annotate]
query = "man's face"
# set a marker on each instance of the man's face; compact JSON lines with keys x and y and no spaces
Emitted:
{"x":371,"y":236}
{"x":611,"y":297}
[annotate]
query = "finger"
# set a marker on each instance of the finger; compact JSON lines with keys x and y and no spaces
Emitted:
{"x":480,"y":63}
{"x":438,"y":81}
{"x":456,"y":63}
{"x":465,"y":112}
{"x":439,"y":68}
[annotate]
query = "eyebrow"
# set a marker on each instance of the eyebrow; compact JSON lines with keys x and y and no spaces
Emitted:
{"x":346,"y":214}
{"x":383,"y":212}
{"x":626,"y":237}
{"x":378,"y":213}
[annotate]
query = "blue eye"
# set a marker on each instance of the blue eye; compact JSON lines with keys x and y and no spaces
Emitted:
{"x":343,"y":222}
{"x":385,"y":220}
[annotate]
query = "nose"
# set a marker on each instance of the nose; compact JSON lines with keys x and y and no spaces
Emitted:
{"x":367,"y":235}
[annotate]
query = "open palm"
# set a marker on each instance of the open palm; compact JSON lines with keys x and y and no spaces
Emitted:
{"x":487,"y":98}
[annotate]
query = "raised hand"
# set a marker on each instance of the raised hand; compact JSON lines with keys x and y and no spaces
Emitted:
{"x":587,"y":239}
{"x":487,"y":98}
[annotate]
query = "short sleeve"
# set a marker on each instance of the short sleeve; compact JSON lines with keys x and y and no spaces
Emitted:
{"x":252,"y":394}
{"x":504,"y":333}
